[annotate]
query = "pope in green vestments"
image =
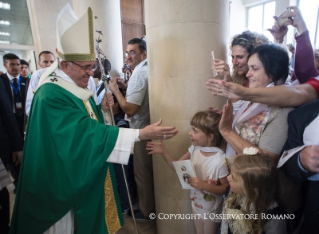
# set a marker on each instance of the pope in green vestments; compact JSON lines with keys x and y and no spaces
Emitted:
{"x":64,"y":165}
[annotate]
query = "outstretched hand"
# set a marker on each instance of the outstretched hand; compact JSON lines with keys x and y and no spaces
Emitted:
{"x":155,"y":147}
{"x":156,"y":132}
{"x":226,"y":89}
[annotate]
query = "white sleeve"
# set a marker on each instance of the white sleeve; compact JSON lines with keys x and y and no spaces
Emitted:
{"x":124,"y":146}
{"x":32,"y":86}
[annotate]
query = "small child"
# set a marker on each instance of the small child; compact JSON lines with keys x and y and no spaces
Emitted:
{"x":253,"y":194}
{"x":210,"y":166}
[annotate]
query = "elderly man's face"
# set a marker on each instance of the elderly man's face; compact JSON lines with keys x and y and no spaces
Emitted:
{"x":79,"y":72}
{"x":134,"y":55}
{"x":13,"y":66}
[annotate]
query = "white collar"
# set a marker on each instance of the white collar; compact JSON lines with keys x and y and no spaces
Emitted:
{"x":12,"y":77}
{"x":63,"y":75}
{"x":211,"y":150}
{"x":141,"y":64}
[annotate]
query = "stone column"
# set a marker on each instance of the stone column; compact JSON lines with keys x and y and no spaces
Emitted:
{"x":180,"y":37}
{"x":109,"y":22}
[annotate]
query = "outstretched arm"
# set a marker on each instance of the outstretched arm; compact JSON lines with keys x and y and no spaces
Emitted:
{"x":159,"y":148}
{"x":281,"y":95}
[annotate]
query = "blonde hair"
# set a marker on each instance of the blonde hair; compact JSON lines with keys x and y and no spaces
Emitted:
{"x":208,"y":121}
{"x":257,"y":176}
{"x":248,"y":40}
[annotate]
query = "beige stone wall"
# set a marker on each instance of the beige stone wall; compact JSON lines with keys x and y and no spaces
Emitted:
{"x":180,"y":37}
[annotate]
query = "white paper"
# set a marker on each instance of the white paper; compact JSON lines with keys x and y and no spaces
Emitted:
{"x":184,"y":170}
{"x":288,"y":154}
{"x":213,"y":63}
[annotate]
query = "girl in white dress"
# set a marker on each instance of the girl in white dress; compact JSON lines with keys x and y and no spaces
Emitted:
{"x":210,"y":166}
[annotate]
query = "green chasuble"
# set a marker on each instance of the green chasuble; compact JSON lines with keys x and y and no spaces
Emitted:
{"x":64,"y":167}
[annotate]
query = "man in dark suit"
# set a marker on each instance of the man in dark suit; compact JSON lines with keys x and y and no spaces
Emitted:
{"x":15,"y":86}
{"x":304,"y":165}
{"x":11,"y":145}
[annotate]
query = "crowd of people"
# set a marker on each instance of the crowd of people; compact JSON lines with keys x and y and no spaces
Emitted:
{"x":258,"y":156}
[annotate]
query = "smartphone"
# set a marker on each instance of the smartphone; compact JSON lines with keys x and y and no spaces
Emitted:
{"x":282,"y":21}
{"x":122,"y":75}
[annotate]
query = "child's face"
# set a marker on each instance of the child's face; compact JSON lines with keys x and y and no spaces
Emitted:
{"x":234,"y":184}
{"x":199,"y":138}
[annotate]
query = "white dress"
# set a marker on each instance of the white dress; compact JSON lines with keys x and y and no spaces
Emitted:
{"x":209,"y":169}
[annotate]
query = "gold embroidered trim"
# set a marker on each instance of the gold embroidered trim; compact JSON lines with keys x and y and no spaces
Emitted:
{"x":111,"y":216}
{"x":91,"y":31}
{"x":83,"y":57}
{"x":88,"y":110}
{"x":77,"y":57}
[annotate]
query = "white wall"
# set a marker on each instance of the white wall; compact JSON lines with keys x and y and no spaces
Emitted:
{"x":237,"y":17}
{"x":238,"y":14}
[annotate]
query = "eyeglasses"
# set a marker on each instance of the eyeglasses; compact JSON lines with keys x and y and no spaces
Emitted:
{"x":131,"y":53}
{"x":85,"y":68}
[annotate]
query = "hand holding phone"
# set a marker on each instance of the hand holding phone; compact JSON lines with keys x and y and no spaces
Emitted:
{"x":281,"y":21}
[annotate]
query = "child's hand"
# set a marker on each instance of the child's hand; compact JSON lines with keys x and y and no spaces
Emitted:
{"x":197,"y":183}
{"x":155,"y":147}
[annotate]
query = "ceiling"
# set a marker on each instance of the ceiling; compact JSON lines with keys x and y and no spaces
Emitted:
{"x":19,"y":28}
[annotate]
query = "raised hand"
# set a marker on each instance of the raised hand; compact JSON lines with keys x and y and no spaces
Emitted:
{"x":113,"y":85}
{"x":295,"y":19}
{"x":225,"y":89}
{"x":156,"y":132}
{"x":222,"y":68}
{"x":120,"y":83}
{"x":155,"y":147}
{"x":278,"y":32}
{"x":226,"y":121}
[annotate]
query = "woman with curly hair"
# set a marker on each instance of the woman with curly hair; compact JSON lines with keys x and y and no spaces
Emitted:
{"x":241,"y":47}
